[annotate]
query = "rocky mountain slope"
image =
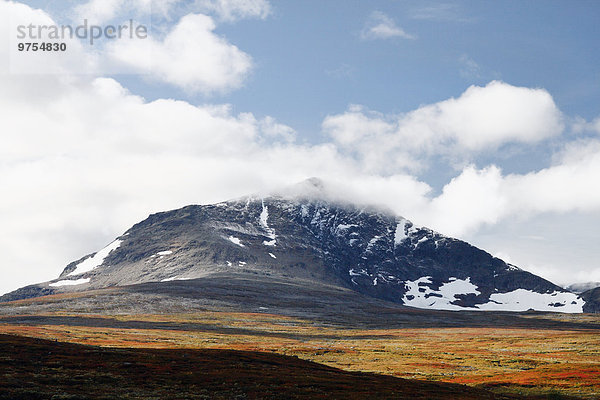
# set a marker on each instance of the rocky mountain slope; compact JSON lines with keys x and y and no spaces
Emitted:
{"x":306,"y":236}
{"x":592,"y":299}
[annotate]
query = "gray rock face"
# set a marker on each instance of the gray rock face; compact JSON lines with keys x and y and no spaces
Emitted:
{"x":304,"y":237}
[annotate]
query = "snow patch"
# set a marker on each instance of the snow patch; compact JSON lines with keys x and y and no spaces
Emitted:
{"x":176,"y":279}
{"x":458,"y":286}
{"x":422,"y":240}
{"x":523,"y":300}
{"x":96,"y":260}
{"x":342,"y":228}
{"x":304,"y":210}
{"x":316,"y":220}
{"x":235,"y":240}
{"x":242,"y":263}
{"x":229,"y":264}
{"x":264,"y":223}
{"x":264,"y":216}
{"x":401,"y":231}
{"x":420,"y":295}
{"x":164,"y":253}
{"x":272,"y":255}
{"x":372,"y":242}
{"x":70,"y":283}
{"x":345,"y":226}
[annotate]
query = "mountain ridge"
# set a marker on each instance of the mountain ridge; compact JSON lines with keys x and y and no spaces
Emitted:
{"x":305,"y":232}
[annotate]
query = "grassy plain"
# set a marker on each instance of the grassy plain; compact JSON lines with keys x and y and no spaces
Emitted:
{"x":32,"y":369}
{"x":551,"y":363}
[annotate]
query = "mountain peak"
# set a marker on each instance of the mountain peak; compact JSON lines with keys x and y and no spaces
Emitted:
{"x":312,"y":188}
{"x":312,"y":232}
{"x":314,"y":182}
{"x":334,"y":193}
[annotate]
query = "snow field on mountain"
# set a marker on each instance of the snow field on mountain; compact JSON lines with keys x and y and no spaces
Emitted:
{"x":420,"y":295}
{"x":523,"y":300}
{"x":70,"y":283}
{"x":96,"y":260}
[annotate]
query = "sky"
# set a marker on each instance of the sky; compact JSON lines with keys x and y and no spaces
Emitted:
{"x":480,"y":120}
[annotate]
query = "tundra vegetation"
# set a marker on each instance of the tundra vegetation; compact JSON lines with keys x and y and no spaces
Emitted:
{"x":543,"y":355}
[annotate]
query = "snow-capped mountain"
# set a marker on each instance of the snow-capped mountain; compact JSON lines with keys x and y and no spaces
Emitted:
{"x":304,"y":234}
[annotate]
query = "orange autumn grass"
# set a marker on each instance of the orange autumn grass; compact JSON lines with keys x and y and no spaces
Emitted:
{"x":509,"y":360}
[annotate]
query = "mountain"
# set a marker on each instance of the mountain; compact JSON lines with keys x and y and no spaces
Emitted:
{"x":305,"y":234}
{"x":582,"y":287}
{"x":592,"y":299}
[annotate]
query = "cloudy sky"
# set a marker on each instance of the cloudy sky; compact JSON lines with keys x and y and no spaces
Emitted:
{"x":478,"y":119}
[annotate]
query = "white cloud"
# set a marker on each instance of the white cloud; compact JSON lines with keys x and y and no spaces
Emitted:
{"x":233,"y":10}
{"x":467,"y":202}
{"x":568,"y":186}
{"x":482,"y":118}
{"x":440,"y":12}
{"x":580,"y":125}
{"x":191,"y":57}
{"x":469,"y":68}
{"x":480,"y":197}
{"x":15,"y":19}
{"x":380,"y":26}
{"x":276,"y":131}
{"x":102,"y":11}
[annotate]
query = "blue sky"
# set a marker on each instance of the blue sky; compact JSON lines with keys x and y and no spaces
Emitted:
{"x":310,"y":60}
{"x":478,"y":119}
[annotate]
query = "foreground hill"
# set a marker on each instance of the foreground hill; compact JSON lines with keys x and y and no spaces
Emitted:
{"x":305,"y":235}
{"x":39,"y":369}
